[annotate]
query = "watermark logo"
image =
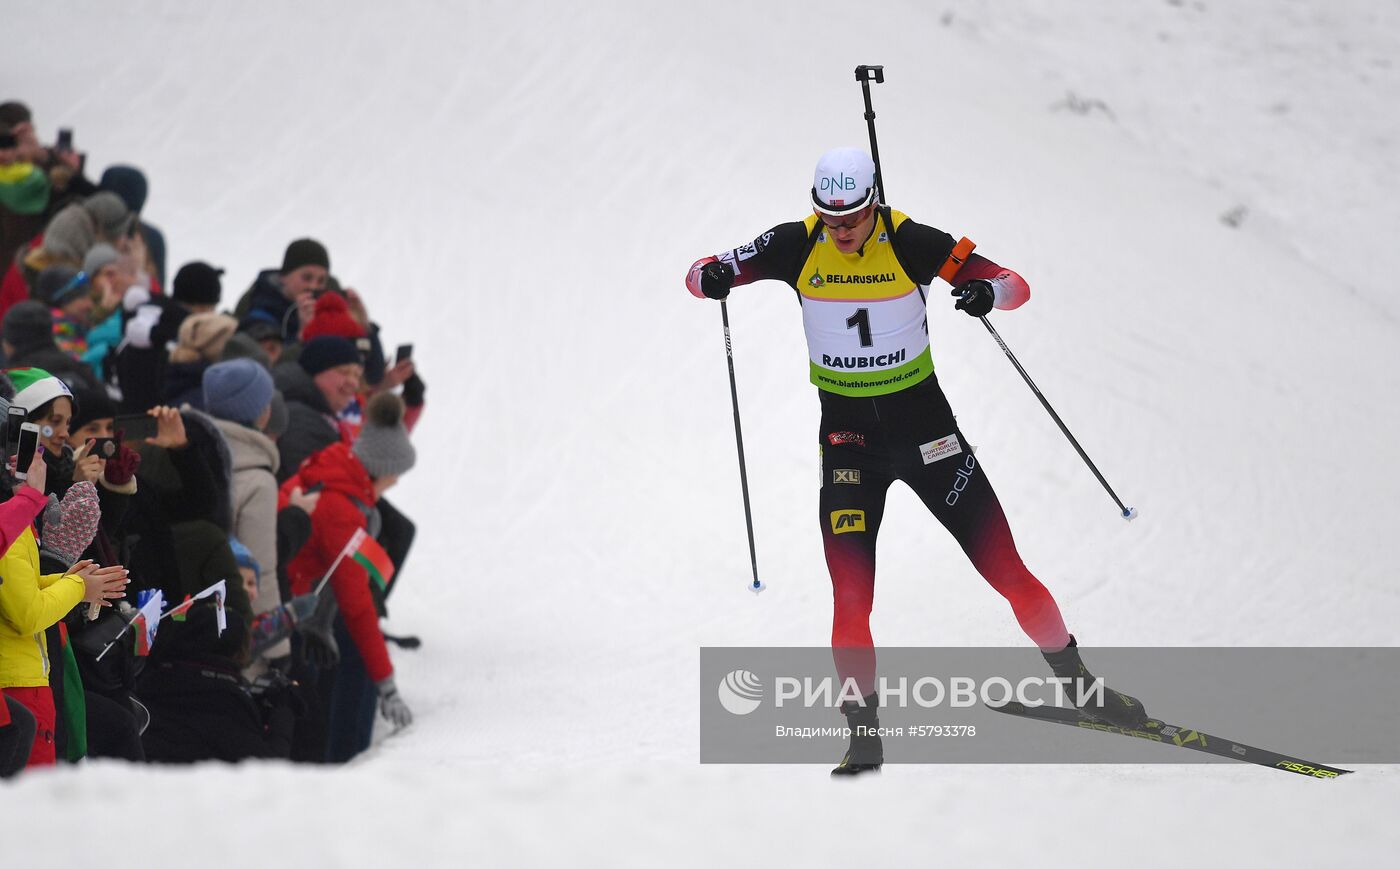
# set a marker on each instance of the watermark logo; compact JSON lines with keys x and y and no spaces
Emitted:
{"x":930,"y":692}
{"x":740,"y":692}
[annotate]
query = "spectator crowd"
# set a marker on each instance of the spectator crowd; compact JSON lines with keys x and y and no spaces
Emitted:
{"x":197,"y":545}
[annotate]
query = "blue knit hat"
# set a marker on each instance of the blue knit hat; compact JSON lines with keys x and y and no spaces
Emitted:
{"x":238,"y":390}
{"x":327,"y":351}
{"x":244,"y":556}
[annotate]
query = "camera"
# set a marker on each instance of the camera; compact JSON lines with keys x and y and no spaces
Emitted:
{"x":270,"y":683}
{"x":274,"y":689}
{"x":104,"y":448}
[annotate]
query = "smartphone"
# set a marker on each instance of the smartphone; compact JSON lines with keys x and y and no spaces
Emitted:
{"x":13,"y":421}
{"x":135,"y":426}
{"x":403,"y":354}
{"x":28,"y":441}
{"x":104,"y":448}
{"x":65,"y":140}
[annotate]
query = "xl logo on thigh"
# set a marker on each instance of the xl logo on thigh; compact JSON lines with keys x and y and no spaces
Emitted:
{"x":960,"y":482}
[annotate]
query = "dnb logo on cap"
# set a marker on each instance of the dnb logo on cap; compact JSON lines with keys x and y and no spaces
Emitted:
{"x":844,"y":181}
{"x":832,"y":189}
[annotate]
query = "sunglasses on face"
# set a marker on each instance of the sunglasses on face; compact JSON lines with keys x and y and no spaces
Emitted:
{"x":849,"y":222}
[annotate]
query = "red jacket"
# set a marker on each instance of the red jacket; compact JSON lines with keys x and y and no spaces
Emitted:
{"x":13,"y":288}
{"x":345,"y":488}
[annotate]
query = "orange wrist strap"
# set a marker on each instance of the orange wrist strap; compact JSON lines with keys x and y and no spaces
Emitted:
{"x":961,"y":251}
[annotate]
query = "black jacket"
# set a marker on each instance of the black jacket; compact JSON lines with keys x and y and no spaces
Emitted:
{"x":311,"y":425}
{"x":201,"y":706}
{"x":184,"y":384}
{"x":141,"y":371}
{"x":264,"y":301}
{"x":203,"y":709}
{"x":177,"y":526}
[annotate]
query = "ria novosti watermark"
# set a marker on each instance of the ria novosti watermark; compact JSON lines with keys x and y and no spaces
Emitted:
{"x":741,"y":692}
{"x":783,"y":704}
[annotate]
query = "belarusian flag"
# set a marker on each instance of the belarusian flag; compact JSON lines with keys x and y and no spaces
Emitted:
{"x":179,"y":612}
{"x":371,"y":556}
{"x":143,"y":638}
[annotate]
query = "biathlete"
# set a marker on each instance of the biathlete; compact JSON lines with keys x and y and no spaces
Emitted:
{"x":862,"y":272}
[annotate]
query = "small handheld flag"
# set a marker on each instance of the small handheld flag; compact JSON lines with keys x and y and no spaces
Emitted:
{"x":147,"y":620}
{"x":367,"y":552}
{"x":181,"y":610}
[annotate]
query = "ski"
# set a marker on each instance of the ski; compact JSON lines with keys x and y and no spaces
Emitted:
{"x":1172,"y":734}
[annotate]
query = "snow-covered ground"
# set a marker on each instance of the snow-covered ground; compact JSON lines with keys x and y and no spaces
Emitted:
{"x":518,"y":189}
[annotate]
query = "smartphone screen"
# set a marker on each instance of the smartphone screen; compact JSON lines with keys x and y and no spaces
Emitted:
{"x":404,"y":352}
{"x":135,"y":426}
{"x":28,"y":441}
{"x":12,"y":424}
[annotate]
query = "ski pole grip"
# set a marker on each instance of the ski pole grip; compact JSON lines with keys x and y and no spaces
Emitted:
{"x":864,"y":73}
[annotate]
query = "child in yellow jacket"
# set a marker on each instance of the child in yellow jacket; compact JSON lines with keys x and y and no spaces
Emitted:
{"x":30,"y":603}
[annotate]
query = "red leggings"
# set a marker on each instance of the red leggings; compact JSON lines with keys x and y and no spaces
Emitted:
{"x":38,"y":701}
{"x":867,"y":444}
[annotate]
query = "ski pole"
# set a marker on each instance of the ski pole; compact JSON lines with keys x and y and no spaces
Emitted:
{"x":739,"y":439}
{"x":863,"y":75}
{"x":1128,"y":513}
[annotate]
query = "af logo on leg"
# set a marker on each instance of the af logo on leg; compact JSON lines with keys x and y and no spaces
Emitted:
{"x":847,"y":521}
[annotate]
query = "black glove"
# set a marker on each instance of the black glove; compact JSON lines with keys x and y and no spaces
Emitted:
{"x":715,"y":280}
{"x":413,"y":389}
{"x":975,"y":297}
{"x":318,"y":645}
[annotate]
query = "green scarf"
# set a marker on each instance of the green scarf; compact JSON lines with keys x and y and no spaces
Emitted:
{"x":23,"y":189}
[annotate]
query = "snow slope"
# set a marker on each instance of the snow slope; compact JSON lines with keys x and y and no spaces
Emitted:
{"x":518,"y":189}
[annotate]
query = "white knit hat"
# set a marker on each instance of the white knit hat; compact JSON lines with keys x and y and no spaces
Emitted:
{"x":35,"y":387}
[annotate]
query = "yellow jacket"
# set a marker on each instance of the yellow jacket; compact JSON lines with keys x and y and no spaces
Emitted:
{"x":30,"y":603}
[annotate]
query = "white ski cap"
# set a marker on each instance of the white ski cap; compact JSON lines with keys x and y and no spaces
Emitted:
{"x":844,"y":181}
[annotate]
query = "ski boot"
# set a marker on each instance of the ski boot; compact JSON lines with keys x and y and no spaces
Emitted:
{"x":867,"y":752}
{"x":1116,"y":708}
